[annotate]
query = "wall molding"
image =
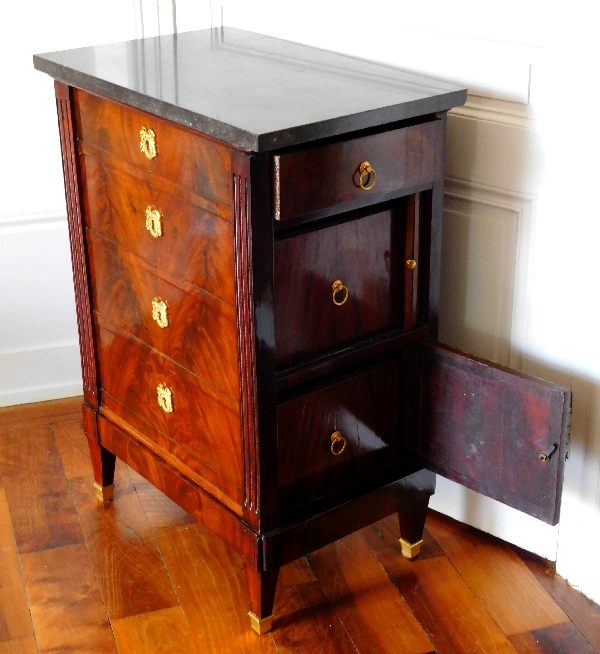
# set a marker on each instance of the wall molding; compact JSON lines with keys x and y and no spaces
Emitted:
{"x":495,"y":110}
{"x":522,"y":205}
{"x":33,"y":222}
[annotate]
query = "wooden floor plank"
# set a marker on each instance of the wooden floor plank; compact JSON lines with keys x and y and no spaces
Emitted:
{"x":40,"y":413}
{"x":438,"y":597}
{"x":73,"y":447}
{"x":584,"y":613}
{"x":209,"y":581}
{"x":41,"y":507}
{"x":370,"y":608}
{"x":159,"y":632}
{"x":66,"y":606}
{"x":130,"y":569}
{"x":305,"y":621}
{"x":15,"y":622}
{"x":19,"y":646}
{"x":161,"y":512}
{"x":500,"y":580}
{"x":562,"y":638}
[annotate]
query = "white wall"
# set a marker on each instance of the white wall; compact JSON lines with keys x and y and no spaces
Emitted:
{"x":520,"y":224}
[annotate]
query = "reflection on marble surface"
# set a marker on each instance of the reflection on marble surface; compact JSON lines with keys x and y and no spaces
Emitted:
{"x":251,"y":90}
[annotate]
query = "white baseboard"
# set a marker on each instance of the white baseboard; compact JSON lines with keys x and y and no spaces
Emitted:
{"x":495,"y":518}
{"x":35,"y":374}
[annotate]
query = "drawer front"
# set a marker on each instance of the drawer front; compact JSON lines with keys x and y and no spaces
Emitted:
{"x":328,"y":178}
{"x":193,"y":414}
{"x":365,"y":256}
{"x":186,"y":158}
{"x":193,"y":244}
{"x":363,"y":409}
{"x":191,"y":327}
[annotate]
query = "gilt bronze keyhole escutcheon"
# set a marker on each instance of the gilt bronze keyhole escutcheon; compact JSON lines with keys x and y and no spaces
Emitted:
{"x":154,"y":221}
{"x":148,"y":142}
{"x":165,"y":398}
{"x":159,"y":312}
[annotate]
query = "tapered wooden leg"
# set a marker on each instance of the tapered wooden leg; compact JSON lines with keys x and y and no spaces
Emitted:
{"x":411,"y":517}
{"x":103,"y":461}
{"x":261,"y":591}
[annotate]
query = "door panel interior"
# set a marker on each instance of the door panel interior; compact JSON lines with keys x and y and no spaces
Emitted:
{"x":492,"y":429}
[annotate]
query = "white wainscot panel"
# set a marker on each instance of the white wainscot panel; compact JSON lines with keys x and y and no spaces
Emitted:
{"x":486,"y":236}
{"x":39,"y":354}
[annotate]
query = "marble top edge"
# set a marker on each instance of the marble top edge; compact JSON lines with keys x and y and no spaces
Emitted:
{"x":254,"y":92}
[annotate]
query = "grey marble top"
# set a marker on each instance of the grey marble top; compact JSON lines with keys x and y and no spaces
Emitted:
{"x":253,"y":91}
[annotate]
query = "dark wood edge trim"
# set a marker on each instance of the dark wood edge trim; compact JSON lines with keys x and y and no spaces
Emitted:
{"x":66,"y":123}
{"x":240,"y":166}
{"x":286,"y":544}
{"x":202,"y":506}
{"x":435,"y":233}
{"x":349,"y":354}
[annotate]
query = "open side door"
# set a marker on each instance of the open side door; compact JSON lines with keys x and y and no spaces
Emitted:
{"x":492,"y":429}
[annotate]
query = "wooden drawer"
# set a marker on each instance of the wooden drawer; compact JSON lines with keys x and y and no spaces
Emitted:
{"x":363,"y":408}
{"x":186,"y":158}
{"x":203,"y":421}
{"x":191,"y":327}
{"x":194,"y":244}
{"x":327,"y":179}
{"x":368,"y":256}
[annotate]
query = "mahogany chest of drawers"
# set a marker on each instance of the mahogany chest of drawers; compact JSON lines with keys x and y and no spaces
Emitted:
{"x":255,"y":231}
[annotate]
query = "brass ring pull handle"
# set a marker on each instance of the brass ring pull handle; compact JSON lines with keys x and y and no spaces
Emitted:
{"x":364,"y":171}
{"x":165,"y":398}
{"x":159,"y":312}
{"x":148,"y":142}
{"x":154,"y":221}
{"x":338,"y":443}
{"x":337,"y":288}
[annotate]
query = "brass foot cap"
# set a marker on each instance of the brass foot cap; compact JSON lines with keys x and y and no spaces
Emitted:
{"x":104,"y":493}
{"x":260,"y":625}
{"x":410,"y":550}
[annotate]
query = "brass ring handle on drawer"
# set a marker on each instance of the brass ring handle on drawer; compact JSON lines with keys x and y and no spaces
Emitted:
{"x":159,"y":312}
{"x":337,"y":288}
{"x":338,"y":443}
{"x":148,"y":142}
{"x":165,"y":398}
{"x":365,"y":170}
{"x":154,"y":221}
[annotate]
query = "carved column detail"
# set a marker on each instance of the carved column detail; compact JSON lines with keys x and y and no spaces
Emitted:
{"x":246,"y":335}
{"x":76,"y":235}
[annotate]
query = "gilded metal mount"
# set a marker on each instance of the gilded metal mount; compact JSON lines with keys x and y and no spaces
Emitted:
{"x":154,"y":221}
{"x":410,"y":550}
{"x":337,"y":287}
{"x":159,"y":312}
{"x":165,"y":398}
{"x":260,"y":625}
{"x":364,"y":171}
{"x":338,"y":443}
{"x":104,"y":493}
{"x":148,"y":142}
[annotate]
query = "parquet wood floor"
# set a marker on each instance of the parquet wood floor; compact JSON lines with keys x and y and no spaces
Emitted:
{"x":139,"y":576}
